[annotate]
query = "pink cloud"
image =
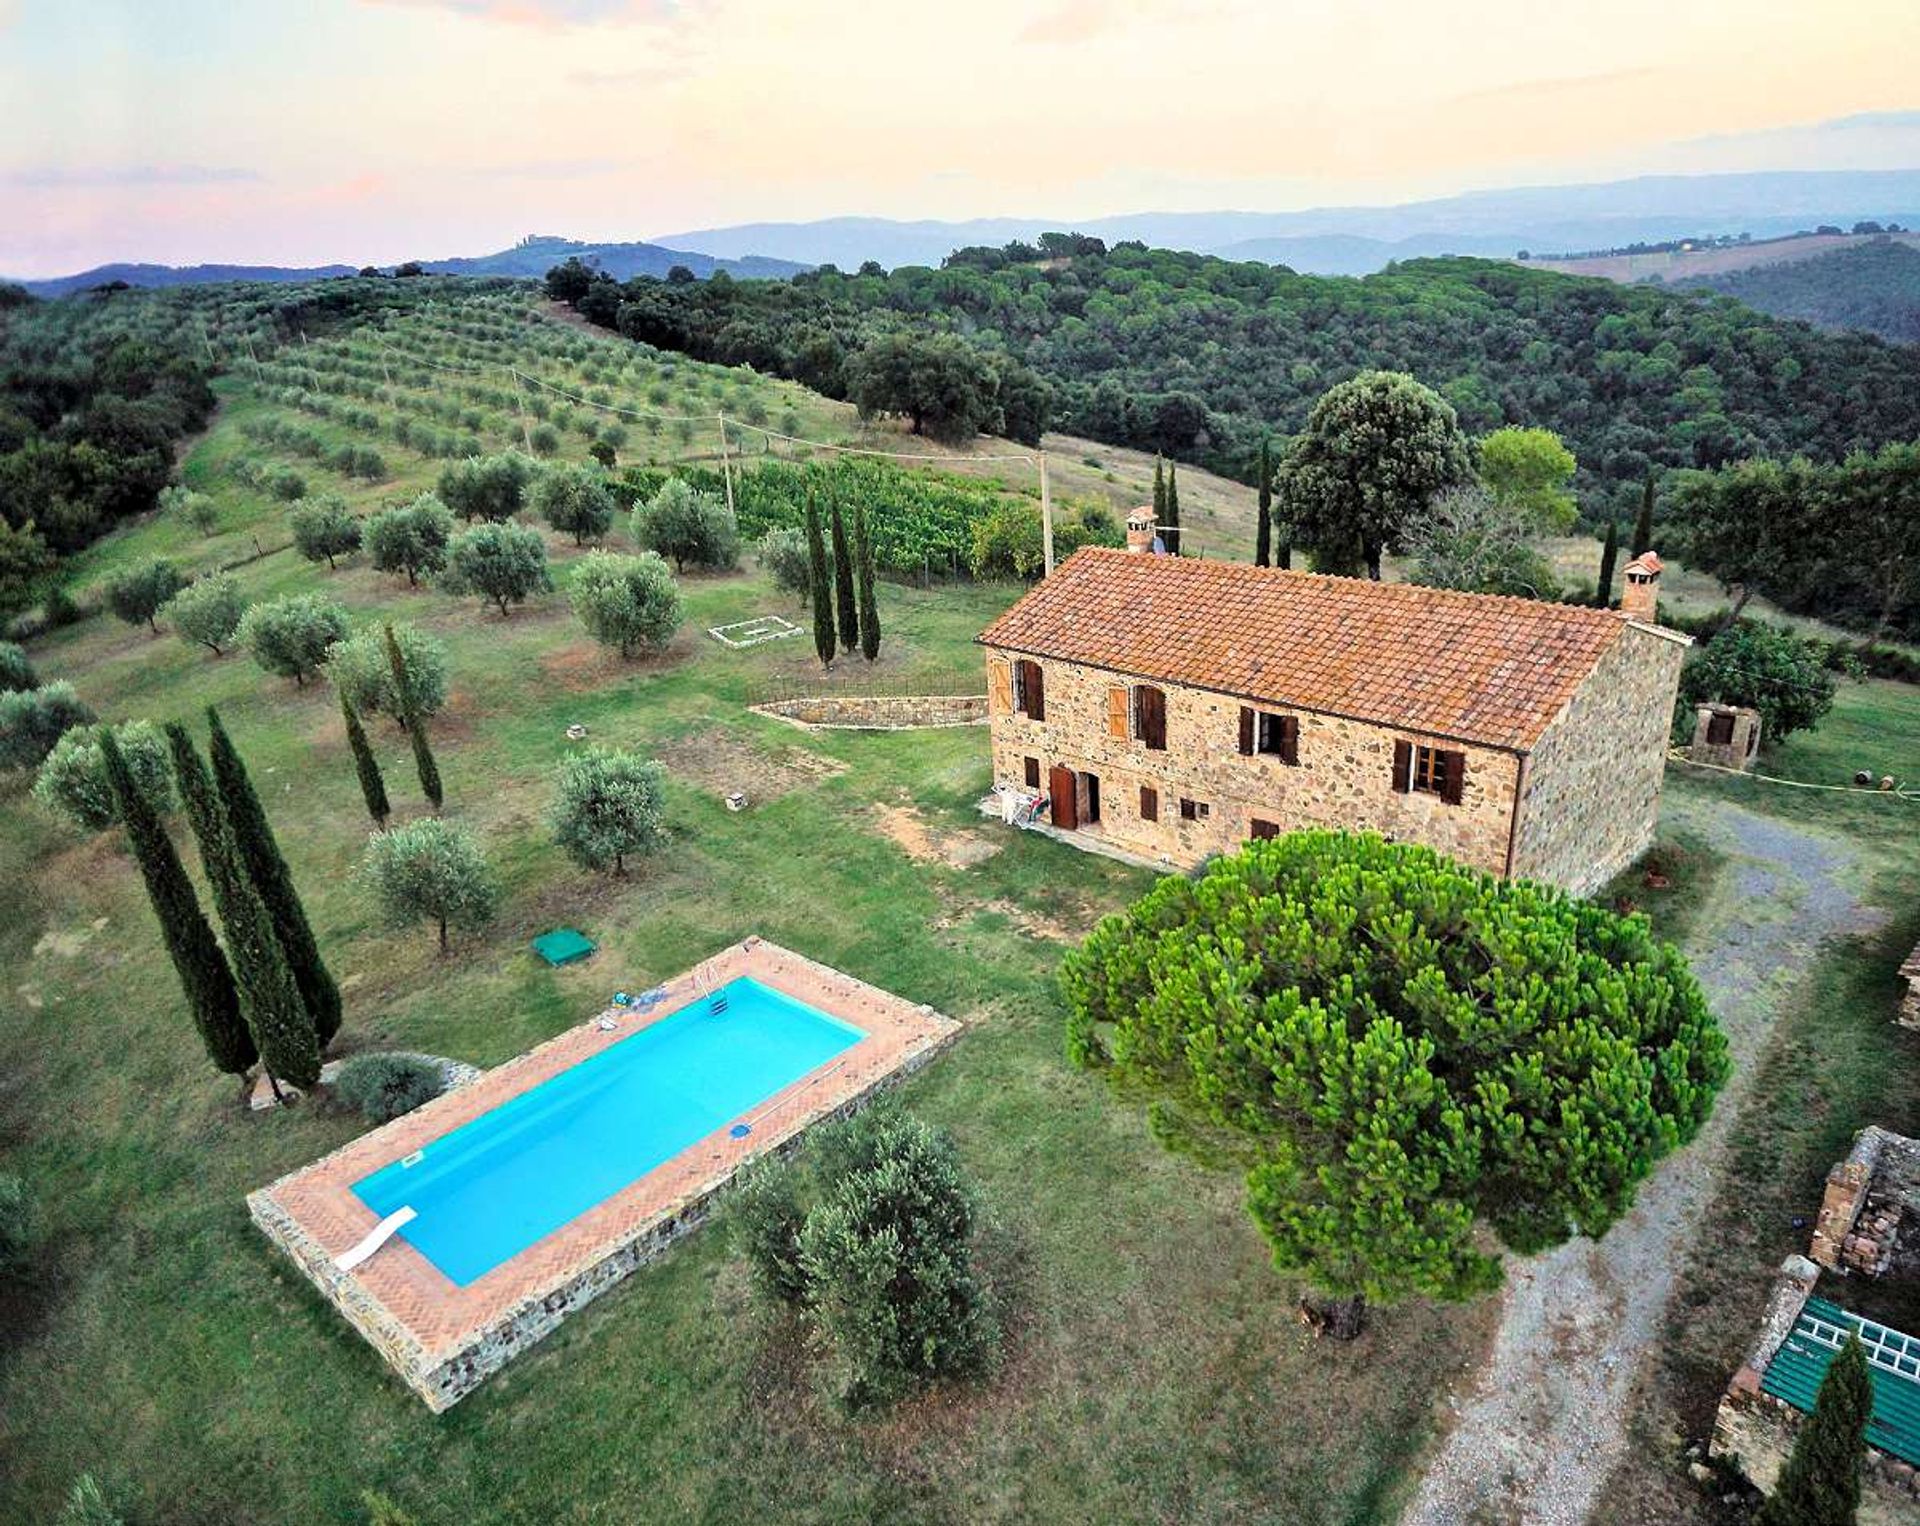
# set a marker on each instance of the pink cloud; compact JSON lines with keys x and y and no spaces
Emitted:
{"x":552,"y":15}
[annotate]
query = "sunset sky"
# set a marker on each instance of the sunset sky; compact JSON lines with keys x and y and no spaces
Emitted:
{"x":306,"y":131}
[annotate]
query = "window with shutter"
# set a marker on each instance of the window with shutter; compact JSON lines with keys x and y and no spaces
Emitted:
{"x":1033,"y":773}
{"x":1000,"y":685}
{"x":1189,"y":810}
{"x":1029,"y":690}
{"x":1149,"y":803}
{"x":1290,"y":739}
{"x":1402,"y":766}
{"x":1247,"y":722}
{"x":1454,"y":784}
{"x":1432,"y":771}
{"x":1272,"y":736}
{"x":1264,"y":829}
{"x":1117,"y":712}
{"x":1150,"y":717}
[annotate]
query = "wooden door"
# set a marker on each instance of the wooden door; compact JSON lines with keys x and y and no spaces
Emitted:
{"x":1064,"y":789}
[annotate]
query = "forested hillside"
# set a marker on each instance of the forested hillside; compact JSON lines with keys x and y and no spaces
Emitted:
{"x":1872,"y":287}
{"x":1197,"y":356}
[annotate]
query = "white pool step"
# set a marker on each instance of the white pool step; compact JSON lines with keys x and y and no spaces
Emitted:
{"x":376,"y":1237}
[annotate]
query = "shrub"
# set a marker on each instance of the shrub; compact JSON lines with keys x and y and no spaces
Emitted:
{"x":16,"y":669}
{"x":689,"y":526}
{"x":197,"y":509}
{"x":576,"y":501}
{"x":362,"y":670}
{"x":207,"y":611}
{"x":324,"y":528}
{"x":1761,"y":667}
{"x":16,"y":1223}
{"x":783,"y":553}
{"x":1008,"y":542}
{"x":602,"y":451}
{"x":290,"y":636}
{"x":383,"y":1086}
{"x":629,"y":602}
{"x":137,"y":593}
{"x":607,"y":806}
{"x":285,"y":484}
{"x":503,"y":563}
{"x":411,"y":538}
{"x":486,"y":487}
{"x":33,"y":720}
{"x":871,"y":1236}
{"x":73,"y":779}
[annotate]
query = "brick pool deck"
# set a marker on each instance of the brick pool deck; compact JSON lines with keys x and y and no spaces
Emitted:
{"x":443,"y":1339}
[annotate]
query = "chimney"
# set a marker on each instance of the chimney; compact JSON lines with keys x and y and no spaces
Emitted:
{"x":1140,"y":531}
{"x":1641,"y":598}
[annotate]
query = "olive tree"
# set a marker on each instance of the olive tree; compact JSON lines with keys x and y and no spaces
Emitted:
{"x":629,"y":602}
{"x":73,"y":780}
{"x":689,"y":526}
{"x":137,"y":593}
{"x":577,"y":501}
{"x":324,"y":528}
{"x":487,"y":487}
{"x":1376,"y":451}
{"x":1411,"y":1063}
{"x":430,"y":870}
{"x":207,"y":611}
{"x":503,"y":563}
{"x":607,"y":806}
{"x":16,"y":669}
{"x":361,"y":668}
{"x":410,"y":538}
{"x":290,"y":636}
{"x":783,"y":554}
{"x":33,"y":720}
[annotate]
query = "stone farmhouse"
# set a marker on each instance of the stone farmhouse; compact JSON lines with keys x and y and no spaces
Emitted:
{"x":1172,"y":708}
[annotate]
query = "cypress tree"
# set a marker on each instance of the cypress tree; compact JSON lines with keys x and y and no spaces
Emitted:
{"x":1609,"y":554}
{"x":204,"y":973}
{"x":1820,"y":1484}
{"x":270,"y":998}
{"x":1173,"y":510}
{"x":1263,"y":529}
{"x":415,"y":723}
{"x":1643,"y":526}
{"x":821,"y":583}
{"x":1159,"y":490}
{"x":373,"y":789}
{"x":848,"y":624}
{"x":869,"y":605}
{"x":260,"y":857}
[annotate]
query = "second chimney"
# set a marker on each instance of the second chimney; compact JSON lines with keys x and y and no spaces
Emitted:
{"x":1640,"y":599}
{"x":1140,"y":531}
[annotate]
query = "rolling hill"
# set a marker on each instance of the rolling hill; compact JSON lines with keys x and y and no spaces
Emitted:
{"x":1872,"y":285}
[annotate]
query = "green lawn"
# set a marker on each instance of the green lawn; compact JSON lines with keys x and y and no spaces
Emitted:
{"x":1154,"y":1369}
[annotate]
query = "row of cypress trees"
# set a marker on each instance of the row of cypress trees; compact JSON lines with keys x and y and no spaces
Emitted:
{"x":268,"y":997}
{"x":1166,"y":503}
{"x":846,"y":612}
{"x":373,"y":786}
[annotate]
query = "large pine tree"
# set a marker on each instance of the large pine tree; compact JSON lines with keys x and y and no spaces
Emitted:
{"x":869,"y":604}
{"x":373,"y":788}
{"x":269,"y":995}
{"x":260,"y":856}
{"x":204,"y":973}
{"x":410,"y":717}
{"x":1263,"y":526}
{"x":1820,"y":1484}
{"x":848,"y":613}
{"x":821,"y":582}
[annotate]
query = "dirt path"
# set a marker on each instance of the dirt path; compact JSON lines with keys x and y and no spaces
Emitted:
{"x":1546,"y":1422}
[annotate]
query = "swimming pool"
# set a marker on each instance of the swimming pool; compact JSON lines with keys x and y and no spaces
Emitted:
{"x":507,"y":1179}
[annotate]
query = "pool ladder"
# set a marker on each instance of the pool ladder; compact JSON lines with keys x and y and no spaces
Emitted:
{"x":716,"y":1000}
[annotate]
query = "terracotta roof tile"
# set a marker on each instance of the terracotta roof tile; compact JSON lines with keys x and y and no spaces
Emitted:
{"x":1468,"y":666}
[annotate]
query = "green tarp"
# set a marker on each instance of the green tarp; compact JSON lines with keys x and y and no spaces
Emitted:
{"x":562,"y":946}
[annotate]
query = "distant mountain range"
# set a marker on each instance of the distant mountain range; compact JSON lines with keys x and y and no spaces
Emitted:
{"x":531,"y":257}
{"x":1357,"y":240}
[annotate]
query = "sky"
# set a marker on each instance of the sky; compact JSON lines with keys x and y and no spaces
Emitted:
{"x":369,"y":131}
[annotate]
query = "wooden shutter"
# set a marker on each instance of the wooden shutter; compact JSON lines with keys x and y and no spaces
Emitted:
{"x":1065,"y":793}
{"x":1149,"y":803}
{"x":1247,"y":723}
{"x":1262,"y":830}
{"x":1117,"y":727}
{"x":1150,"y":706}
{"x":1456,"y":777}
{"x":1403,"y":766}
{"x":1000,"y":684}
{"x":1289,"y":739}
{"x":1033,"y":690}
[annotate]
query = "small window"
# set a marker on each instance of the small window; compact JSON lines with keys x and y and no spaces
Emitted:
{"x":1720,"y":728}
{"x":1150,"y":716}
{"x":1149,"y":803}
{"x":1194,"y":810}
{"x":1033,"y":773}
{"x":1029,"y":690}
{"x":1429,"y":770}
{"x":1264,"y":829}
{"x":1272,"y":736}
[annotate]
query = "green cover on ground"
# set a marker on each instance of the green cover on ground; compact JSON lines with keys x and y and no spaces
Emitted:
{"x":563,"y":945}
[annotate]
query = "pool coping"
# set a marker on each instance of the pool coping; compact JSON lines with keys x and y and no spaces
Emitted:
{"x":444,"y":1340}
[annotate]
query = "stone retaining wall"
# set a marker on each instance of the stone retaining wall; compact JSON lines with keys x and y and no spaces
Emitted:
{"x":850,"y":712}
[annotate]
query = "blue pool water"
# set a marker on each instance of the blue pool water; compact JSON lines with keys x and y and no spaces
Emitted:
{"x":492,"y":1187}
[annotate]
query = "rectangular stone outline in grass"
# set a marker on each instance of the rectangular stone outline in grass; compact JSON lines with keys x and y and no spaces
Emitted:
{"x":444,"y":1340}
{"x":759,"y":630}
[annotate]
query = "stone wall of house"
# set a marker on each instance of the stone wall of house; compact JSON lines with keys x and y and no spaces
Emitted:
{"x":1344,"y":777}
{"x":1591,"y":795}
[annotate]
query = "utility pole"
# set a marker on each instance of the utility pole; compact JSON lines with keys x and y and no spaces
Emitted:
{"x":520,"y":402}
{"x":1046,"y":515}
{"x":726,"y":461}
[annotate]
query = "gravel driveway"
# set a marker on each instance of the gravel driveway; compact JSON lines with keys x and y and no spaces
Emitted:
{"x":1546,"y":1420}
